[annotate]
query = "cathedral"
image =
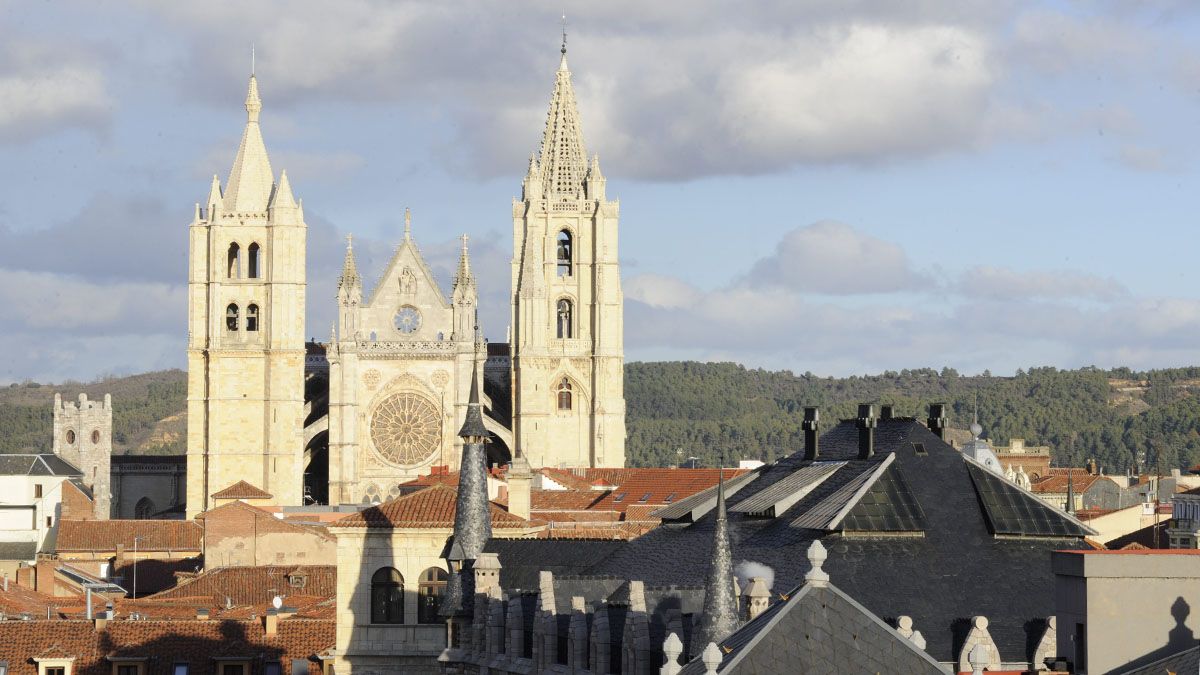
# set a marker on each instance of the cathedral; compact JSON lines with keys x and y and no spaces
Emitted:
{"x":382,"y":406}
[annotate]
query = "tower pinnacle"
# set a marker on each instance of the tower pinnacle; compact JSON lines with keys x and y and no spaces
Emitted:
{"x":251,"y":178}
{"x":563,"y":162}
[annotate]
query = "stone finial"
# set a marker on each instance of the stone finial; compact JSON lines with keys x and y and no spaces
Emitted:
{"x":672,"y":648}
{"x":979,"y":659}
{"x":980,"y":638}
{"x":711,"y":658}
{"x":918,"y":640}
{"x":1047,"y":647}
{"x":904,"y":626}
{"x":816,"y":557}
{"x":637,"y":595}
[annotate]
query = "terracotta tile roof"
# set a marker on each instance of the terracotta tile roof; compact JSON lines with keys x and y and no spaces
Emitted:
{"x":563,"y":500}
{"x":193,"y":642}
{"x":1056,"y":482}
{"x":104,"y":535}
{"x":20,"y":599}
{"x":253,"y":585}
{"x":242,"y":490}
{"x":433,"y":506}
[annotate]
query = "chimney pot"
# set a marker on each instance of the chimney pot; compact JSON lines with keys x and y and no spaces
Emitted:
{"x":887,"y":411}
{"x":866,"y":430}
{"x":812,"y":432}
{"x":937,"y":419}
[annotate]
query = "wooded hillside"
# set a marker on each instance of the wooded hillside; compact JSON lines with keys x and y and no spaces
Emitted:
{"x":713,"y":410}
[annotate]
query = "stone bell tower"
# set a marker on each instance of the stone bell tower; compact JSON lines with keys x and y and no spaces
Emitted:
{"x":246,"y":295}
{"x":83,"y":437}
{"x":567,"y":317}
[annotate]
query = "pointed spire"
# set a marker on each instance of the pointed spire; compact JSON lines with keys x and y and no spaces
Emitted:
{"x":214,"y":195}
{"x":349,"y":283}
{"x":563,"y":157}
{"x":720,"y":617}
{"x":250,"y":178}
{"x":464,"y":277}
{"x":472,"y":430}
{"x":283,"y":197}
{"x":472,"y":516}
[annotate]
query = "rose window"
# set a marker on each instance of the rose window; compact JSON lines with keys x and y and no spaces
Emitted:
{"x":406,"y":429}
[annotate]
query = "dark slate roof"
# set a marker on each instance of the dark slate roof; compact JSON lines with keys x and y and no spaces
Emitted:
{"x":818,"y":630}
{"x":941,"y":576}
{"x":522,"y":559}
{"x":1009,"y":511}
{"x":45,"y":464}
{"x":1186,"y":661}
{"x":18,"y":550}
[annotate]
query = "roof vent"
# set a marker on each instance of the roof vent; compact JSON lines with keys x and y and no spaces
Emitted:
{"x":937,"y":419}
{"x":812,"y":434}
{"x":866,"y":430}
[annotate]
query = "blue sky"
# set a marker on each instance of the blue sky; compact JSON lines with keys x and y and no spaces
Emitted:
{"x":835,"y":186}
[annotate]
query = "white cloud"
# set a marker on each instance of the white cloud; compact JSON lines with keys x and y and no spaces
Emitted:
{"x":44,"y":89}
{"x":834,"y":258}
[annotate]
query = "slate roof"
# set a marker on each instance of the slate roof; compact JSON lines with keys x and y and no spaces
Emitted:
{"x":433,"y":506}
{"x":242,"y":490}
{"x":105,"y":535}
{"x":521,"y":559}
{"x":44,"y":464}
{"x":951,"y":569}
{"x":818,"y":630}
{"x":1186,"y":661}
{"x":18,"y":550}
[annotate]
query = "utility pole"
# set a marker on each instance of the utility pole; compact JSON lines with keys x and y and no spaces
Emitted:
{"x":135,"y":557}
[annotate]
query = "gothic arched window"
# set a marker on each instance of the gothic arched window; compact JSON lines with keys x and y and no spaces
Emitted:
{"x":564,"y":395}
{"x":254,"y":261}
{"x":143,"y":509}
{"x":565,"y":253}
{"x":566,"y":327}
{"x":252,"y":318}
{"x":429,"y":595}
{"x":231,"y":317}
{"x":234,"y":261}
{"x":387,"y":596}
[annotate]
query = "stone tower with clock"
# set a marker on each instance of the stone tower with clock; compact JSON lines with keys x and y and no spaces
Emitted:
{"x":567,"y":318}
{"x":400,"y":365}
{"x":246,"y":294}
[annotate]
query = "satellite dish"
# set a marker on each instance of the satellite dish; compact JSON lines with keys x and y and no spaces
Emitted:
{"x":277,"y":602}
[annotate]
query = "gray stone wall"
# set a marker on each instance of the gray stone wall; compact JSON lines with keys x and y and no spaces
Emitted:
{"x":83,"y":437}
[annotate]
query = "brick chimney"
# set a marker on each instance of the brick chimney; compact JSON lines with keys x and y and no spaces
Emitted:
{"x":520,"y":485}
{"x":271,"y":622}
{"x":812,"y":432}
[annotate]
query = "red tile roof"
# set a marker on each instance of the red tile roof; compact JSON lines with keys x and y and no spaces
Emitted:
{"x":253,"y":585}
{"x":193,"y":642}
{"x":432,"y":507}
{"x":1056,"y":482}
{"x":20,"y":599}
{"x":242,"y":490}
{"x":105,"y":535}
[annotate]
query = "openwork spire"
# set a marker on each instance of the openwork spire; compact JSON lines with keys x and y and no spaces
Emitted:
{"x":251,"y":179}
{"x":720,"y":618}
{"x":564,"y":162}
{"x":349,"y":284}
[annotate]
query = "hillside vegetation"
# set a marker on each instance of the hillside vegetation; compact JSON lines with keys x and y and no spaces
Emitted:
{"x":723,"y":410}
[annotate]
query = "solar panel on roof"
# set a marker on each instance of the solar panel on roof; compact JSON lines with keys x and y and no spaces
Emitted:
{"x":787,"y":491}
{"x":829,"y":512}
{"x":888,"y":506}
{"x":1011,"y":511}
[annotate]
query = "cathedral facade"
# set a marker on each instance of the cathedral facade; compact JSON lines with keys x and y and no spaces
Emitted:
{"x":402,"y":354}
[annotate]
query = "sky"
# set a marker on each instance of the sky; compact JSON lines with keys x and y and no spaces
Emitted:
{"x":828,"y":186}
